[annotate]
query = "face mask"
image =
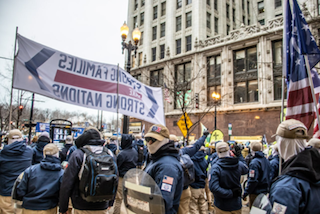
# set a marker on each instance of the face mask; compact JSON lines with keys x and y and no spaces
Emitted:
{"x":154,"y":146}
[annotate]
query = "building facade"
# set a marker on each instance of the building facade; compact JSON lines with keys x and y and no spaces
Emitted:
{"x":231,"y":47}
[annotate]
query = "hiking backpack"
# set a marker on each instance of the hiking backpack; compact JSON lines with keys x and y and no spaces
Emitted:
{"x":99,"y":178}
{"x":188,"y":169}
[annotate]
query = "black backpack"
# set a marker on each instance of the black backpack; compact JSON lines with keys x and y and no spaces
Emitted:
{"x":99,"y":178}
{"x":140,"y":153}
{"x":188,"y":169}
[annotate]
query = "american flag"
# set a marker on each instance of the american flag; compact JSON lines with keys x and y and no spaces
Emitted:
{"x":316,"y":84}
{"x":298,"y":41}
{"x":166,"y":94}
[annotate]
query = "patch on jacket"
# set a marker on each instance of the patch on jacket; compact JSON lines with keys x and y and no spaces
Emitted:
{"x":167,"y":180}
{"x":279,"y":208}
{"x":251,"y":173}
{"x":166,"y":187}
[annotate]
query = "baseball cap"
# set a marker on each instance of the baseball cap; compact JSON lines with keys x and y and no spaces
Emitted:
{"x":222,"y":147}
{"x":292,"y":129}
{"x":158,"y":132}
{"x":69,"y":139}
{"x":45,"y":134}
{"x":173,"y":138}
{"x":50,"y":149}
{"x":314,"y":142}
{"x":255,"y":146}
{"x":14,"y":134}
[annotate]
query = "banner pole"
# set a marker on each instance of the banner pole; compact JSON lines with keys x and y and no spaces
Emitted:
{"x":117,"y":109}
{"x":312,"y":87}
{"x":14,"y":55}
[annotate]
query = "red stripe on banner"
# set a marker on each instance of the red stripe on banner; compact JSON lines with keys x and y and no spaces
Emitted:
{"x":96,"y":85}
{"x":305,"y":118}
{"x":299,"y":97}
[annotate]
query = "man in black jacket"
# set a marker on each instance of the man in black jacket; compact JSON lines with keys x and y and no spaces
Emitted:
{"x":91,"y":138}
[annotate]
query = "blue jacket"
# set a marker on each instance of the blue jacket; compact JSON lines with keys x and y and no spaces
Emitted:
{"x":213,"y":158}
{"x":14,"y":159}
{"x":40,"y":184}
{"x":71,"y":149}
{"x":259,"y":175}
{"x":274,"y":167}
{"x":224,"y":177}
{"x":128,"y":157}
{"x":298,"y":186}
{"x":138,"y":144}
{"x":63,"y":153}
{"x":200,"y":166}
{"x":165,"y":164}
{"x":38,"y":149}
{"x":112,"y":147}
{"x":194,"y":148}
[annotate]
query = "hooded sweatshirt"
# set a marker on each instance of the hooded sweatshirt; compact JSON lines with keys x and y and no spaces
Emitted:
{"x":40,"y":184}
{"x":14,"y":159}
{"x":298,"y":186}
{"x":200,"y":165}
{"x":128,"y":157}
{"x":38,"y":149}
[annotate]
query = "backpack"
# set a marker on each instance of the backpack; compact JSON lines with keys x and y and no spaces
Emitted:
{"x":188,"y":169}
{"x":140,"y":153}
{"x":99,"y":178}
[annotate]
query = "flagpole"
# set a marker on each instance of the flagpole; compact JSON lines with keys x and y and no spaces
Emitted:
{"x":117,"y":109}
{"x":14,"y":55}
{"x":312,"y":87}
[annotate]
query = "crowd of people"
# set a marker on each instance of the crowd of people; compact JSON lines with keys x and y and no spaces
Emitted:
{"x":45,"y":179}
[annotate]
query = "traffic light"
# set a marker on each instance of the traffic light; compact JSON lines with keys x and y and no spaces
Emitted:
{"x":20,"y":109}
{"x":197,"y":100}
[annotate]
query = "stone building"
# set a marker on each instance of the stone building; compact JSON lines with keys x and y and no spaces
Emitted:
{"x":232,"y":47}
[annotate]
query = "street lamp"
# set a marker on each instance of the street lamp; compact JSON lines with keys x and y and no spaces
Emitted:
{"x":216,"y":97}
{"x":136,"y":34}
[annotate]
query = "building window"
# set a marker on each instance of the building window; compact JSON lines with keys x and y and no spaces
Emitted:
{"x":142,"y":2}
{"x":155,"y":12}
{"x":178,"y":23}
{"x":216,"y":24}
{"x":138,"y":77}
{"x":261,"y":22}
{"x":134,"y":22}
{"x":277,"y":3}
{"x":178,"y":46}
{"x":141,"y":19}
{"x":215,"y":3}
{"x":260,"y":7}
{"x":156,"y":78}
{"x":208,"y":2}
{"x":188,"y":43}
{"x":233,"y":15}
{"x":140,"y":59}
{"x":277,"y":70}
{"x":188,"y":2}
{"x":154,"y":33}
{"x":162,"y":51}
{"x":183,"y":85}
{"x":227,"y":10}
{"x":135,"y":4}
{"x":179,"y":4}
{"x":245,"y":75}
{"x":163,"y":8}
{"x":209,"y":20}
{"x":228,"y":29}
{"x":248,"y":8}
{"x":154,"y":54}
{"x":188,"y":19}
{"x":163,"y":29}
{"x":141,"y":39}
{"x":213,"y":77}
{"x":242,"y":4}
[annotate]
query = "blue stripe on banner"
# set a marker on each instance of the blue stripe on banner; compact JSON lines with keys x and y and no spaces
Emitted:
{"x":155,"y":106}
{"x":36,"y":62}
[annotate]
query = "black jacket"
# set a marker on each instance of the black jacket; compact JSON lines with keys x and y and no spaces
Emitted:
{"x":64,"y":151}
{"x":128,"y":157}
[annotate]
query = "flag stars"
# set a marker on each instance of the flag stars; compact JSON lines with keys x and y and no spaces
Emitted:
{"x":305,"y":27}
{"x":298,"y":61}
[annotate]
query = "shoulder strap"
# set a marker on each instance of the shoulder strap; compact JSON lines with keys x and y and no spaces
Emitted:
{"x":87,"y":151}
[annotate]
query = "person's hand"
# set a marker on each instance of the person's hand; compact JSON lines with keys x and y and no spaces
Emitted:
{"x":244,"y":197}
{"x":206,"y":132}
{"x":236,"y":192}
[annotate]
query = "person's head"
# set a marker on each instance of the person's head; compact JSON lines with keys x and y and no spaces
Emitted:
{"x":113,"y":139}
{"x":314,"y":143}
{"x":44,"y":137}
{"x":126,"y":140}
{"x":138,"y":136}
{"x":69,"y":139}
{"x":90,"y":136}
{"x":275,"y":149}
{"x":212,"y":146}
{"x":157,"y":136}
{"x":34,"y":139}
{"x":255,"y":146}
{"x":51,"y":149}
{"x":222,"y":149}
{"x":291,"y":138}
{"x":14,"y":135}
{"x":173,"y":138}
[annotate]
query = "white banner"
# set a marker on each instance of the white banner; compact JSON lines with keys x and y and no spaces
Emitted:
{"x":81,"y":82}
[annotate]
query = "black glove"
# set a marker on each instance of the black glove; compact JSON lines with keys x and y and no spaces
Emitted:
{"x":206,"y":132}
{"x":236,"y":192}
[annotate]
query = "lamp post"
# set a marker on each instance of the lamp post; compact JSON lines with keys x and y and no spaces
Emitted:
{"x":216,"y":97}
{"x":136,"y":34}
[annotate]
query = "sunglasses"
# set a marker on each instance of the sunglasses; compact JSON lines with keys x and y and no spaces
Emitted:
{"x":150,"y":138}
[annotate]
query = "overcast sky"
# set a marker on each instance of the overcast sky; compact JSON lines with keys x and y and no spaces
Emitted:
{"x":89,"y":29}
